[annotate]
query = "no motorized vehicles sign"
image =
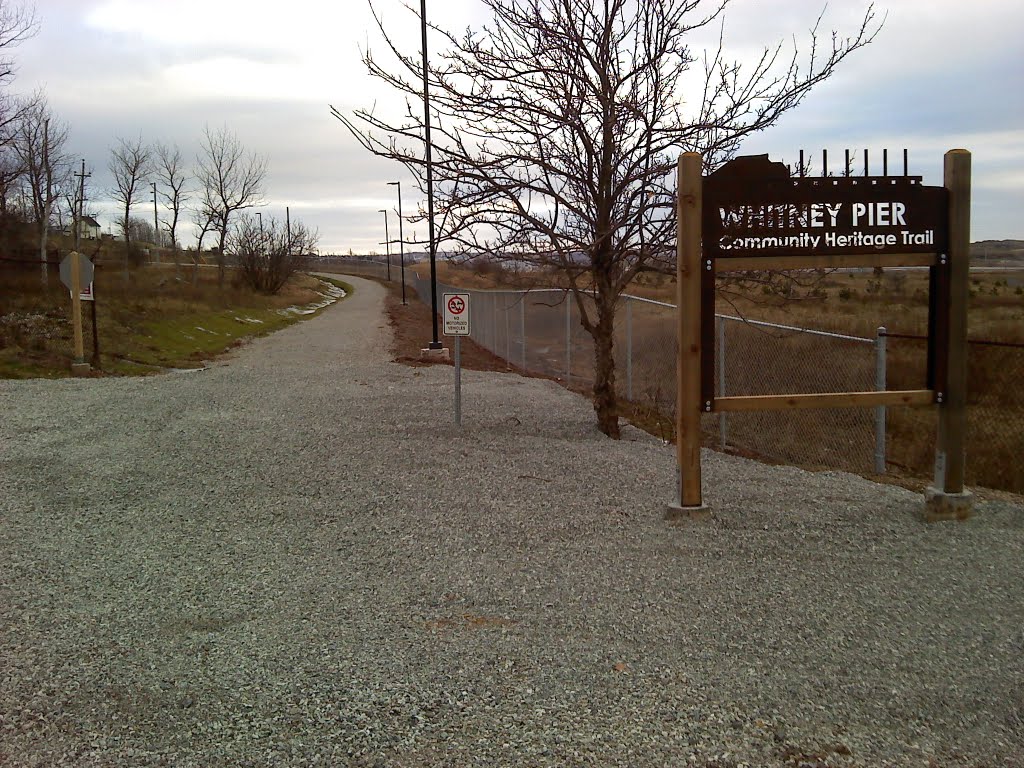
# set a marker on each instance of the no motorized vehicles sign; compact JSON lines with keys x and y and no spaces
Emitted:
{"x":456,"y":314}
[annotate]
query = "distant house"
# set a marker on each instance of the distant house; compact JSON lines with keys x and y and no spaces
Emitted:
{"x":88,"y":227}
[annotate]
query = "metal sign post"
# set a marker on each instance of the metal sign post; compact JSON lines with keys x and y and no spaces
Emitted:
{"x":456,"y":323}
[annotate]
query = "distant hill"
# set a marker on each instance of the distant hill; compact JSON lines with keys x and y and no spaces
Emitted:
{"x":1005,"y":251}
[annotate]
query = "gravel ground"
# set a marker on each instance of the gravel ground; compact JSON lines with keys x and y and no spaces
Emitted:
{"x":293,"y":558}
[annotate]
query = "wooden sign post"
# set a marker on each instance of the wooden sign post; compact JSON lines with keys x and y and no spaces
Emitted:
{"x":752,"y":215}
{"x":947,"y":499}
{"x":690,"y":503}
{"x":71,"y":274}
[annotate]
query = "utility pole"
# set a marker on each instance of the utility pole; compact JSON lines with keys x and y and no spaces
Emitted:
{"x":288,"y":230}
{"x":77,"y":215}
{"x":156,"y":226}
{"x":80,"y":208}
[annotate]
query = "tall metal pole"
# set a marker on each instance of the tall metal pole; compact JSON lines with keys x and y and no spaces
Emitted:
{"x":435,"y":344}
{"x":401,"y":235}
{"x":288,"y":229}
{"x":387,"y":239}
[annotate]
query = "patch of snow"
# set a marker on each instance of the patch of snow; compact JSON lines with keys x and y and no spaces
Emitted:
{"x":330,"y":294}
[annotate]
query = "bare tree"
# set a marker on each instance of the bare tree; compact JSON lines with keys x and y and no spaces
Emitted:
{"x":142,"y":230}
{"x":39,"y":139}
{"x":11,"y":171}
{"x":230,"y":181}
{"x":557,"y":126}
{"x":203,"y":220}
{"x":171,"y":173}
{"x":130,"y":164}
{"x":268,"y":253}
{"x":18,"y":23}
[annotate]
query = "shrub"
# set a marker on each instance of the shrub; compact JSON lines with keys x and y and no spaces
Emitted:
{"x":267,"y":254}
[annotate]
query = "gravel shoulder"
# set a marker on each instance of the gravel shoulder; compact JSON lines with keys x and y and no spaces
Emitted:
{"x":294,"y":558}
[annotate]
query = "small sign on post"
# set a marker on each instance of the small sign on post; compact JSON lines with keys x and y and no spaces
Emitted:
{"x":456,"y":323}
{"x":456,"y":314}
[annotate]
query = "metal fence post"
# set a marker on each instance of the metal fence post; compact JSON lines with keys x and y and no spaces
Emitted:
{"x":568,"y":339}
{"x":522,"y":328}
{"x":508,"y":336}
{"x":494,"y":323}
{"x":629,"y":349}
{"x":723,"y":419}
{"x":880,"y":363}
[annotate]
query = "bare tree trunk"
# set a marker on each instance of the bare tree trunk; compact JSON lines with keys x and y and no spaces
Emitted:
{"x":605,"y":405}
{"x":44,"y":231}
{"x":198,"y":256}
{"x":47,"y":205}
{"x":220,"y":258}
{"x":42,"y":256}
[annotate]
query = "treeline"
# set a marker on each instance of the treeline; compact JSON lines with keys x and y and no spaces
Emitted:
{"x":43,"y":187}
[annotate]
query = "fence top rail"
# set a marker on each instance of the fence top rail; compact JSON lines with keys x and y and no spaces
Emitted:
{"x":808,"y":331}
{"x":978,"y":342}
{"x":666,"y":305}
{"x":643,"y":300}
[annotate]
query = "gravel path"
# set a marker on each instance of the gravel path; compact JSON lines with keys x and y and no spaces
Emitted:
{"x":292,"y":558}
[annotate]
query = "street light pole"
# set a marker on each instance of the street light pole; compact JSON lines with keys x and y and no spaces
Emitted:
{"x":435,"y":344}
{"x":401,"y":235}
{"x":387,"y":239}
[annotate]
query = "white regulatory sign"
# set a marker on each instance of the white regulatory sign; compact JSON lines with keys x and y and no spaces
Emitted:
{"x":456,"y":314}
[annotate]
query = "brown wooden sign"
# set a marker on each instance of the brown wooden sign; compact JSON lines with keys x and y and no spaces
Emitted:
{"x":753,"y":215}
{"x":753,"y":208}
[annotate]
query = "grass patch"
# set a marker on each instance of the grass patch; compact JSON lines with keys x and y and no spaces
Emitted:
{"x":148,"y":319}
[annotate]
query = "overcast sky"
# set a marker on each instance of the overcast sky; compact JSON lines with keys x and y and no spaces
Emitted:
{"x":942,"y":74}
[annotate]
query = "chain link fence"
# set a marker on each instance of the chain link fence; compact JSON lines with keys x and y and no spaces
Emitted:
{"x":358,"y":267}
{"x":995,"y":412}
{"x":36,"y":330}
{"x":540,"y":331}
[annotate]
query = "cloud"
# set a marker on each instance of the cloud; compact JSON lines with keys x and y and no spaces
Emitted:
{"x":939,"y":75}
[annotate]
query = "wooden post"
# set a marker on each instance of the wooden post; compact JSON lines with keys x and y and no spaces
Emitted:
{"x":948,"y":500}
{"x":688,"y":298}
